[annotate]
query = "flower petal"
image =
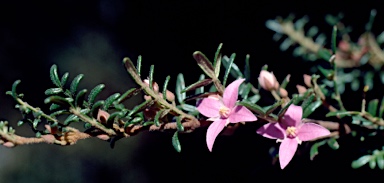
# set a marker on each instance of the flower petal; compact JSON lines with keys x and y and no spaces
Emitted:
{"x":271,"y":130}
{"x":231,"y":93}
{"x":241,"y":114}
{"x":209,"y":107}
{"x":292,"y":116}
{"x":309,"y":131}
{"x":213,"y":130}
{"x":286,"y":151}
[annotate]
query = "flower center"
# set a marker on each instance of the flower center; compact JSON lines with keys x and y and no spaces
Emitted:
{"x":291,"y":132}
{"x":224,"y":112}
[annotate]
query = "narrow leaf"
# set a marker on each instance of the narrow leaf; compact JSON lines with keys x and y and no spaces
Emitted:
{"x":54,"y":76}
{"x":253,"y":107}
{"x":141,"y":107}
{"x":53,"y":91}
{"x":130,"y":67}
{"x":80,"y":97}
{"x":332,"y":143}
{"x":315,"y":149}
{"x":339,"y":114}
{"x":14,"y":86}
{"x":197,"y":85}
{"x":180,"y":126}
{"x":180,"y":85}
{"x":58,"y":100}
{"x":64,"y":79}
{"x":372,"y":107}
{"x":273,"y":107}
{"x":148,"y":123}
{"x":334,"y":34}
{"x":311,"y":108}
{"x":189,"y":108}
{"x":247,"y":69}
{"x":71,"y":118}
{"x":217,"y":61}
{"x":54,"y":107}
{"x":176,"y":142}
{"x":94,"y":92}
{"x":96,"y":106}
{"x":372,"y":163}
{"x":138,"y":65}
{"x":75,"y":83}
{"x":381,"y":110}
{"x":204,"y":64}
{"x":380,"y":161}
{"x":108,"y":102}
{"x":324,"y":54}
{"x":128,"y":94}
{"x":229,"y":68}
{"x":307,"y":101}
{"x":201,"y":89}
{"x":165,"y":87}
{"x":151,"y":70}
{"x":361,"y":161}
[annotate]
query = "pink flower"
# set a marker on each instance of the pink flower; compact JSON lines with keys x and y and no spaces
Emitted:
{"x":291,"y":131}
{"x":268,"y":81}
{"x":223,"y":110}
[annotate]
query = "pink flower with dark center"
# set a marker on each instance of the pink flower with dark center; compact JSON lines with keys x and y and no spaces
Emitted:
{"x":223,"y":110}
{"x":291,"y":131}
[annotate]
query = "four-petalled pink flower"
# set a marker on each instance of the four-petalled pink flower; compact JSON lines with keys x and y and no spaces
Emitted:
{"x":223,"y":110}
{"x":291,"y":131}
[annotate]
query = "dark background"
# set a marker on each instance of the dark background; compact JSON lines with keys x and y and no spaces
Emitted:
{"x":92,"y":37}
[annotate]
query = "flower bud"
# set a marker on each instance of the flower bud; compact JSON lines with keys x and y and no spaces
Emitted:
{"x":307,"y":80}
{"x":283,"y":93}
{"x":301,"y":89}
{"x":267,"y":81}
{"x":102,"y":116}
{"x":9,"y":144}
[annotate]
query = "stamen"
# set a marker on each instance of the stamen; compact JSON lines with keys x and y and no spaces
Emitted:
{"x":224,"y":112}
{"x":291,"y":131}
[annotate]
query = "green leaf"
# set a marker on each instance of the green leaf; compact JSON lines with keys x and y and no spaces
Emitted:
{"x":176,"y":142}
{"x":130,"y":67}
{"x":315,"y":149}
{"x":244,"y":90}
{"x":381,"y":110}
{"x":54,"y":76}
{"x":368,"y":26}
{"x":324,"y":54}
{"x":273,"y":107}
{"x":157,"y":117}
{"x":80,"y":97}
{"x":201,"y":89}
{"x":247,"y":69}
{"x":372,"y":107}
{"x":228,"y":66}
{"x":64,"y":79}
{"x":75,"y":83}
{"x":109,"y":101}
{"x":138,"y":65}
{"x":58,"y":100}
{"x":179,"y":126}
{"x":326,"y":72}
{"x":128,"y":94}
{"x":14,"y":86}
{"x":334,"y":35}
{"x":71,"y":118}
{"x":197,"y":85}
{"x":217,"y":61}
{"x":283,"y":109}
{"x":368,"y":79}
{"x":332,"y":143}
{"x":285,"y":81}
{"x":180,"y":85}
{"x":380,"y":161}
{"x":311,"y":108}
{"x":141,"y":107}
{"x":338,"y":113}
{"x":372,"y":163}
{"x":20,"y":123}
{"x":361,"y":161}
{"x":151,"y":71}
{"x":137,"y":120}
{"x":148,"y":123}
{"x":95,"y":106}
{"x":53,"y":91}
{"x":189,"y":108}
{"x":165,"y":87}
{"x":56,"y":113}
{"x":307,"y":101}
{"x":94,"y":92}
{"x":253,"y":99}
{"x":204,"y":64}
{"x":253,"y":107}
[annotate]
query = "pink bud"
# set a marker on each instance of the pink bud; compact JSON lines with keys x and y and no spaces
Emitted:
{"x":283,"y":92}
{"x":9,"y":144}
{"x":267,"y":81}
{"x":301,"y":89}
{"x":344,"y":46}
{"x":307,"y":80}
{"x":103,"y":137}
{"x":170,"y":96}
